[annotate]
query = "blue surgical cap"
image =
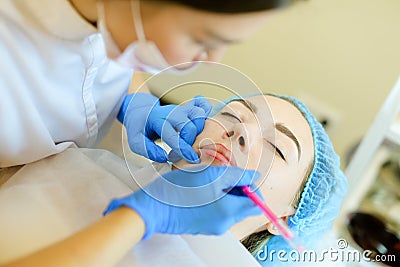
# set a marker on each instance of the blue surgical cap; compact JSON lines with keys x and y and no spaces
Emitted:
{"x":323,"y":193}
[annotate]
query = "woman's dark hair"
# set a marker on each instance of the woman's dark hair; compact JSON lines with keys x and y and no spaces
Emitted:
{"x":233,"y":6}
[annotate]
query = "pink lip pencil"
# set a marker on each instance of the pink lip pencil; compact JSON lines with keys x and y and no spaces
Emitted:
{"x":282,"y":227}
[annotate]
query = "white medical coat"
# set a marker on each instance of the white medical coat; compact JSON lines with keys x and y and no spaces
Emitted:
{"x":56,"y":84}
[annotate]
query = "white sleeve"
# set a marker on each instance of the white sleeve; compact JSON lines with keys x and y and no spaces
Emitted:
{"x":23,"y":135}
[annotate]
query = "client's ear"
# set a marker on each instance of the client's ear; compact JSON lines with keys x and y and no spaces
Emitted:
{"x":272,"y":228}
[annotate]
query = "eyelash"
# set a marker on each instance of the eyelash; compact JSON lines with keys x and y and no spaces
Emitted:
{"x":277,"y":150}
{"x":231,"y":115}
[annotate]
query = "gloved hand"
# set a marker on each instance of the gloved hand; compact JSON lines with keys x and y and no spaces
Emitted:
{"x":146,"y":120}
{"x":192,"y":201}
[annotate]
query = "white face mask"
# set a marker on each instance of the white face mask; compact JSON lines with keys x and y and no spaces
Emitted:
{"x":142,"y":55}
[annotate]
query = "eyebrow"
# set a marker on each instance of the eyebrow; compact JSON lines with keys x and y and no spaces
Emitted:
{"x":283,"y":129}
{"x":247,"y":104}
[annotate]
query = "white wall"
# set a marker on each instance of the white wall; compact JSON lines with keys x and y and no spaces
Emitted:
{"x":344,"y":53}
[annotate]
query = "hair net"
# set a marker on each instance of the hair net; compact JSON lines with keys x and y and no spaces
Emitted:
{"x":323,"y":193}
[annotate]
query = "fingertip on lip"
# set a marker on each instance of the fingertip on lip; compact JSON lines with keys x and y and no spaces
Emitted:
{"x":192,"y":158}
{"x":174,"y":158}
{"x":195,"y":161}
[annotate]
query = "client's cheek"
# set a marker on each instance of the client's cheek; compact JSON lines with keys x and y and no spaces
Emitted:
{"x":257,"y":159}
{"x":278,"y":198}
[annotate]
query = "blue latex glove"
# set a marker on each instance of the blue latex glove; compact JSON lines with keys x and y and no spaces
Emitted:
{"x":146,"y":120}
{"x":192,"y":201}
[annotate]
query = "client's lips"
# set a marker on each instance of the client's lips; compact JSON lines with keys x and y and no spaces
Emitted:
{"x":220,"y":153}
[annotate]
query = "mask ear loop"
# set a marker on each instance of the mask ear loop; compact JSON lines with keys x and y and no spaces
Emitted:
{"x":137,"y":20}
{"x":107,"y":37}
{"x":100,"y":10}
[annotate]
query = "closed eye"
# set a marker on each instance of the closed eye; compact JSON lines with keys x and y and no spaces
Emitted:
{"x":231,"y":115}
{"x":277,"y":151}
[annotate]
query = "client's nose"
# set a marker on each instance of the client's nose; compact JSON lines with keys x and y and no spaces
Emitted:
{"x":239,"y":138}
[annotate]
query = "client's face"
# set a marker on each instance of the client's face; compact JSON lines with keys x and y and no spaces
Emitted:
{"x":243,"y":134}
